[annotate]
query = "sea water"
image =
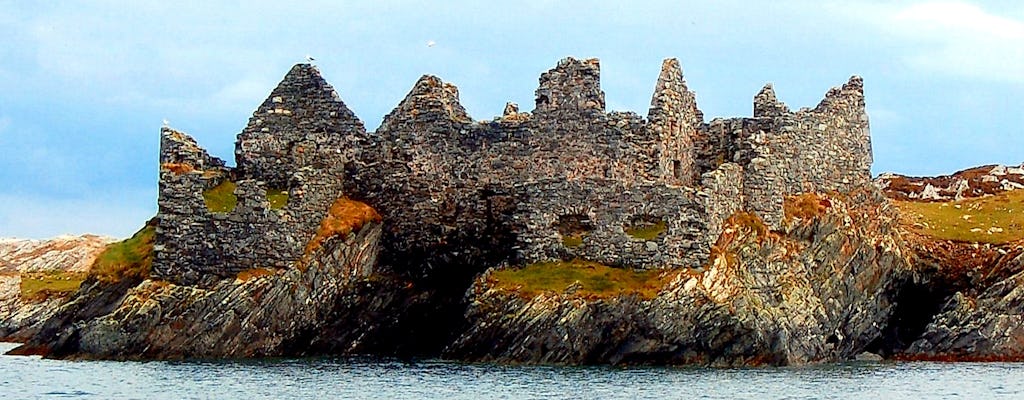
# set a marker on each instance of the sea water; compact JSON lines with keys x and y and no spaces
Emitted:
{"x":362,"y":378}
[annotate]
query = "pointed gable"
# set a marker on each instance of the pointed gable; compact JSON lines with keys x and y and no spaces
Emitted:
{"x":303,"y":123}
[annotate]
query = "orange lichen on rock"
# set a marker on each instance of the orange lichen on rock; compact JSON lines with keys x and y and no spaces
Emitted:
{"x":177,"y":168}
{"x":252,"y":273}
{"x":805,"y":206}
{"x":750,"y":221}
{"x":342,"y":218}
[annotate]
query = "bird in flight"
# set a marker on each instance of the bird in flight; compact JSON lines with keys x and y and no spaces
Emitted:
{"x":431,"y":43}
{"x":166,"y":123}
{"x":310,"y":58}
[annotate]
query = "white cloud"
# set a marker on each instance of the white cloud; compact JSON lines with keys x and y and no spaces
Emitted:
{"x":950,"y":37}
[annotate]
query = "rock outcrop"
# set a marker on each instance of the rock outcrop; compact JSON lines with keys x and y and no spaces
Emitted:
{"x":258,"y":313}
{"x":62,"y":258}
{"x":969,"y":183}
{"x":819,"y":291}
{"x":969,"y":302}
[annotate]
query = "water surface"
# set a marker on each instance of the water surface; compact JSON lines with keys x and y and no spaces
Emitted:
{"x":362,"y":378}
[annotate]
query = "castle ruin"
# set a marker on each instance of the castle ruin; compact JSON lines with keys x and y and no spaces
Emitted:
{"x":568,"y":179}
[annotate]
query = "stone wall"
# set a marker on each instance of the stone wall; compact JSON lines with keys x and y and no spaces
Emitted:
{"x":722,"y":196}
{"x":674,"y":119}
{"x":455,"y":192}
{"x":296,"y":142}
{"x":591,"y":218}
{"x":446,"y":185}
{"x":303,"y":123}
{"x":783,"y":152}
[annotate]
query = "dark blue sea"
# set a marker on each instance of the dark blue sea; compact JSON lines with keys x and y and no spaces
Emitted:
{"x":348,"y":378}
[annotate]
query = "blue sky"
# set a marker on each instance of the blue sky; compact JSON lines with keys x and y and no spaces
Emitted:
{"x":84,"y":85}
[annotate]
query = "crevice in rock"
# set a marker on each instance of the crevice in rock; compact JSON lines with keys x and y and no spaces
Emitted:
{"x":915,"y":305}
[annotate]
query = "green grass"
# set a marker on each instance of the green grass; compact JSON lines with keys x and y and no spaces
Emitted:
{"x":278,"y":198}
{"x":40,"y":286}
{"x":132,"y":257}
{"x":574,"y":240}
{"x":221,"y":198}
{"x":646,"y":230}
{"x":597,"y":280}
{"x":991,"y":219}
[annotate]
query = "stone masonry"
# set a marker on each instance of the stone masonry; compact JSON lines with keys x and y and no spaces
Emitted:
{"x":566,"y":180}
{"x":295,"y":143}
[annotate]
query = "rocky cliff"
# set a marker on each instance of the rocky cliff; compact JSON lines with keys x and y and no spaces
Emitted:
{"x":256,"y":313}
{"x":820,"y":290}
{"x":36,"y":276}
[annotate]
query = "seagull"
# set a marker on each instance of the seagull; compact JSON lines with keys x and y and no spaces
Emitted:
{"x":166,"y":123}
{"x":431,"y":43}
{"x":310,"y":58}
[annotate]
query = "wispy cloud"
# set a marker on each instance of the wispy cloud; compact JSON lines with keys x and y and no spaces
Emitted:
{"x":950,"y":37}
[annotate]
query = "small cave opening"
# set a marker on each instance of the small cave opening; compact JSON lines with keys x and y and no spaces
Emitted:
{"x":915,"y":305}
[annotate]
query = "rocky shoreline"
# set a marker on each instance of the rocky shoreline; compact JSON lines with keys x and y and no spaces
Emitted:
{"x":567,"y":235}
{"x":842,"y":280}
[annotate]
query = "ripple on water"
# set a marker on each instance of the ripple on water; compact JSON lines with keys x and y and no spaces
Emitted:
{"x":32,"y":377}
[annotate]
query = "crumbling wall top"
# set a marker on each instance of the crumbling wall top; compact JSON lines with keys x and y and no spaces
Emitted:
{"x":573,"y":86}
{"x":767,"y":105}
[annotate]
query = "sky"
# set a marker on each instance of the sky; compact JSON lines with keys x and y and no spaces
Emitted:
{"x":85,"y":85}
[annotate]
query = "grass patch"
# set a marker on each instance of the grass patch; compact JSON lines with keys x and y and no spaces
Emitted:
{"x":129,"y":258}
{"x":40,"y":286}
{"x":342,"y":218}
{"x":221,"y":198}
{"x":595,"y":280}
{"x":805,"y":206}
{"x":646,"y":230}
{"x":277,"y":198}
{"x":991,"y":219}
{"x":573,"y":240}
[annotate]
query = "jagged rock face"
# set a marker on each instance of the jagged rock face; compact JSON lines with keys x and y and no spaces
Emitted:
{"x":969,"y":303}
{"x":973,"y":182}
{"x":20,"y":318}
{"x":281,"y":313}
{"x":819,"y":292}
{"x":985,"y":327}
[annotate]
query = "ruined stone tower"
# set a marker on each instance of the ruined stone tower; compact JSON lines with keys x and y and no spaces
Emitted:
{"x":292,"y":151}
